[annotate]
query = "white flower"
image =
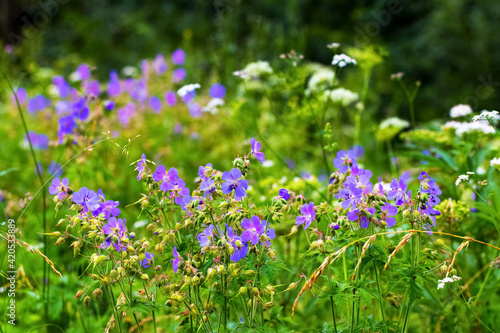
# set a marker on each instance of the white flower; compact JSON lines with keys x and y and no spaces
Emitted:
{"x":342,"y":96}
{"x":461,"y":128}
{"x":463,"y":178}
{"x":481,"y":171}
{"x":213,"y":104}
{"x":460,"y":110}
{"x":255,"y":70}
{"x":129,"y":71}
{"x":333,"y":45}
{"x":394,"y":122}
{"x":495,"y":162}
{"x":267,"y":163}
{"x":485,"y":115}
{"x":342,"y":59}
{"x":187,"y":89}
{"x":320,"y":80}
{"x":452,"y":279}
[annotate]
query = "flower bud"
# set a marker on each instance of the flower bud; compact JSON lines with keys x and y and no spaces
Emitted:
{"x":272,"y":254}
{"x":255,"y":291}
{"x":268,"y":305}
{"x":86,"y":300}
{"x":79,"y":294}
{"x":416,"y":214}
{"x":60,"y":240}
{"x":230,"y":250}
{"x":406,"y":213}
{"x":97,"y":293}
{"x":144,"y":277}
{"x":113,"y":274}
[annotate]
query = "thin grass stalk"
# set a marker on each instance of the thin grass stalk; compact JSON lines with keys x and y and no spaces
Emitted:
{"x":46,"y":277}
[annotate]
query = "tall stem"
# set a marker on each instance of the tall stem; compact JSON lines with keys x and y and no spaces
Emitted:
{"x":45,"y":292}
{"x":375,"y":268}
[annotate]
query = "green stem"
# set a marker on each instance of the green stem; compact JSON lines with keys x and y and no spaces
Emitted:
{"x":357,"y":127}
{"x":46,"y":277}
{"x":380,"y":293}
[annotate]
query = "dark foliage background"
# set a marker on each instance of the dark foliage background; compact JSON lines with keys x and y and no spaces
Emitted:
{"x":451,"y":46}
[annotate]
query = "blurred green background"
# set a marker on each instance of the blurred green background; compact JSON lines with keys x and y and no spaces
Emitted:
{"x":449,"y":45}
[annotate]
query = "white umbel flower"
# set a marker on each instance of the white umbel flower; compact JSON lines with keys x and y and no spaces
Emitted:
{"x":460,"y":110}
{"x":463,"y":178}
{"x":342,"y":96}
{"x":342,"y":60}
{"x":495,"y":162}
{"x":183,"y":91}
{"x":452,"y":279}
{"x":213,"y":105}
{"x":485,"y":115}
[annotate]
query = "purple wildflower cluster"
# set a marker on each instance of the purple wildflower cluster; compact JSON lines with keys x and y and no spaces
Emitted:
{"x":365,"y":203}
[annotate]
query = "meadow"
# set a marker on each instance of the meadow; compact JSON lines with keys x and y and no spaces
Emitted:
{"x":279,"y":201}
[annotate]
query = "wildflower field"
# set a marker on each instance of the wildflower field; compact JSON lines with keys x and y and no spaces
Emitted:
{"x":287,"y":195}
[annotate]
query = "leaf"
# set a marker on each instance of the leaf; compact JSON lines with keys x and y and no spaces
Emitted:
{"x":272,"y":269}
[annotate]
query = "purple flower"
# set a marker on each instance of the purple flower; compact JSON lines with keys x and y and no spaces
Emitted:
{"x":167,"y":179}
{"x":358,"y":151}
{"x":356,"y":214}
{"x":114,"y":89}
{"x":63,"y":88}
{"x":67,"y":124}
{"x":308,"y":215}
{"x":176,"y":262}
{"x":179,"y":75}
{"x":256,"y":150}
{"x":21,"y":94}
{"x":39,"y":141}
{"x":204,"y":173}
{"x":388,"y":211}
{"x":178,"y":57}
{"x":206,"y":237}
{"x":253,"y":229}
{"x":80,"y":109}
{"x":63,"y":107}
{"x":125,"y":113}
{"x":148,"y":260}
{"x":59,"y":187}
{"x":240,"y":250}
{"x":108,"y":208}
{"x":345,"y":160}
{"x":37,"y":103}
{"x":155,"y":104}
{"x":398,"y":189}
{"x":109,"y":105}
{"x":284,"y":193}
{"x":83,"y":72}
{"x":195,"y":109}
{"x":115,"y":228}
{"x":170,"y":98}
{"x":159,"y":64}
{"x":217,"y":90}
{"x":141,"y":166}
{"x":178,"y":128}
{"x":361,"y":179}
{"x":350,"y":196}
{"x":178,"y":190}
{"x":87,"y":198}
{"x":55,"y":169}
{"x":234,"y":183}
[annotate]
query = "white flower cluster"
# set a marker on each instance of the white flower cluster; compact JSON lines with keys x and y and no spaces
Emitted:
{"x":342,"y":96}
{"x":342,"y":59}
{"x":460,"y":110}
{"x":463,"y":178}
{"x":395,"y":123}
{"x":213,"y":105}
{"x":495,"y":163}
{"x":452,"y":279}
{"x":255,"y":70}
{"x":485,"y":115}
{"x":183,"y":91}
{"x":461,"y":128}
{"x":320,"y":80}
